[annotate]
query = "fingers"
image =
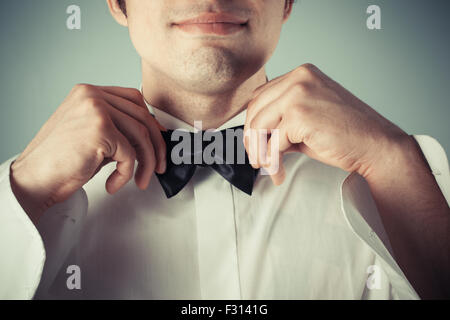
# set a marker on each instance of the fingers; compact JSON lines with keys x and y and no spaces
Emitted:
{"x":258,"y":130}
{"x":255,"y":142}
{"x":267,"y":151}
{"x":265,"y":97}
{"x":144,"y":117}
{"x":130,"y":94}
{"x":125,"y":156}
{"x":139,"y":138}
{"x":159,"y":145}
{"x":266,"y":154}
{"x":267,"y":85}
{"x":277,"y":173}
{"x":266,"y":111}
{"x":282,"y":79}
{"x":277,"y":146}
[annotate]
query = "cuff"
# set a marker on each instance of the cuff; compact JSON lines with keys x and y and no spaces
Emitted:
{"x":438,"y":162}
{"x":362,"y":216}
{"x":21,"y":246}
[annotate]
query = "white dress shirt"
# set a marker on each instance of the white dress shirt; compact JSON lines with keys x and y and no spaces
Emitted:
{"x":317,"y":236}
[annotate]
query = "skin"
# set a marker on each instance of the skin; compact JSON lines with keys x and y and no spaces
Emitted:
{"x":202,"y":77}
{"x":316,"y":116}
{"x":213,"y":78}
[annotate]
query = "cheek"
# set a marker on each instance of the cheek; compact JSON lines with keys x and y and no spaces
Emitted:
{"x":273,"y":31}
{"x":266,"y":38}
{"x":268,"y":24}
{"x":145,"y":36}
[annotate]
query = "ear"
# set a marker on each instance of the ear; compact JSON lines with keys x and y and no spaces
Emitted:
{"x":287,"y":10}
{"x":117,"y":13}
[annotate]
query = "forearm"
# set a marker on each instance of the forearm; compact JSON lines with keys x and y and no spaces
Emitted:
{"x":416,"y":217}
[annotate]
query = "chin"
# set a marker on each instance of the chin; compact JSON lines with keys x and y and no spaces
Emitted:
{"x":214,"y":70}
{"x":210,"y":84}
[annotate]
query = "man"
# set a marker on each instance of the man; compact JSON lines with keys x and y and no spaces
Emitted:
{"x":309,"y":230}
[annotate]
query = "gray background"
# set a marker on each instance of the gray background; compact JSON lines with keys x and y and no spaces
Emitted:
{"x":402,"y":70}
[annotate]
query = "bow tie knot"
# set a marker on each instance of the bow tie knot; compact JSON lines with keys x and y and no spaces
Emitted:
{"x":222,"y":150}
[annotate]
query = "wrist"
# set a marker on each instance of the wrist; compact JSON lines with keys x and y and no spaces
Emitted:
{"x":30,"y":196}
{"x":397,"y":159}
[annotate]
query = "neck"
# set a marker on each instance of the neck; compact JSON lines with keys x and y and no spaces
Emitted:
{"x":212,"y":109}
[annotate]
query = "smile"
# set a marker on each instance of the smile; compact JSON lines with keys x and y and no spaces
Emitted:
{"x":212,"y":23}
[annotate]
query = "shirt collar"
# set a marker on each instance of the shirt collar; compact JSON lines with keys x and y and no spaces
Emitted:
{"x":170,"y":122}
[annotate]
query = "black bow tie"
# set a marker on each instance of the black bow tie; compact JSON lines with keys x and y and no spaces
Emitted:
{"x":238,"y":172}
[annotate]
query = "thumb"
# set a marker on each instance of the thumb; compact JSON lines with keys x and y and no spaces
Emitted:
{"x":276,"y":170}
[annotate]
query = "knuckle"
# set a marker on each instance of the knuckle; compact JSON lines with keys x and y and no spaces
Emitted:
{"x":307,"y":70}
{"x":83,"y":88}
{"x":301,"y":89}
{"x":93,"y":103}
{"x":300,"y":111}
{"x":94,"y":108}
{"x":104,"y":149}
{"x":309,"y":66}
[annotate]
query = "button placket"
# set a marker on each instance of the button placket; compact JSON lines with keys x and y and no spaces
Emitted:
{"x":216,"y":236}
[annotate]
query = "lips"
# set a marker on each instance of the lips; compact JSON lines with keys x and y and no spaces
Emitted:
{"x":213,"y":17}
{"x":212,"y":23}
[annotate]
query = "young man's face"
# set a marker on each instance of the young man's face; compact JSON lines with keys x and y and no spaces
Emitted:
{"x":204,"y":58}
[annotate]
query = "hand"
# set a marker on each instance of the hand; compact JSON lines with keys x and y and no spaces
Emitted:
{"x":92,"y":127}
{"x":317,"y":116}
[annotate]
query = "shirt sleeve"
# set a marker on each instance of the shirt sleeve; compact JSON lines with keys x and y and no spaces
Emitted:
{"x":21,"y":246}
{"x":30,"y":253}
{"x":361,"y":214}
